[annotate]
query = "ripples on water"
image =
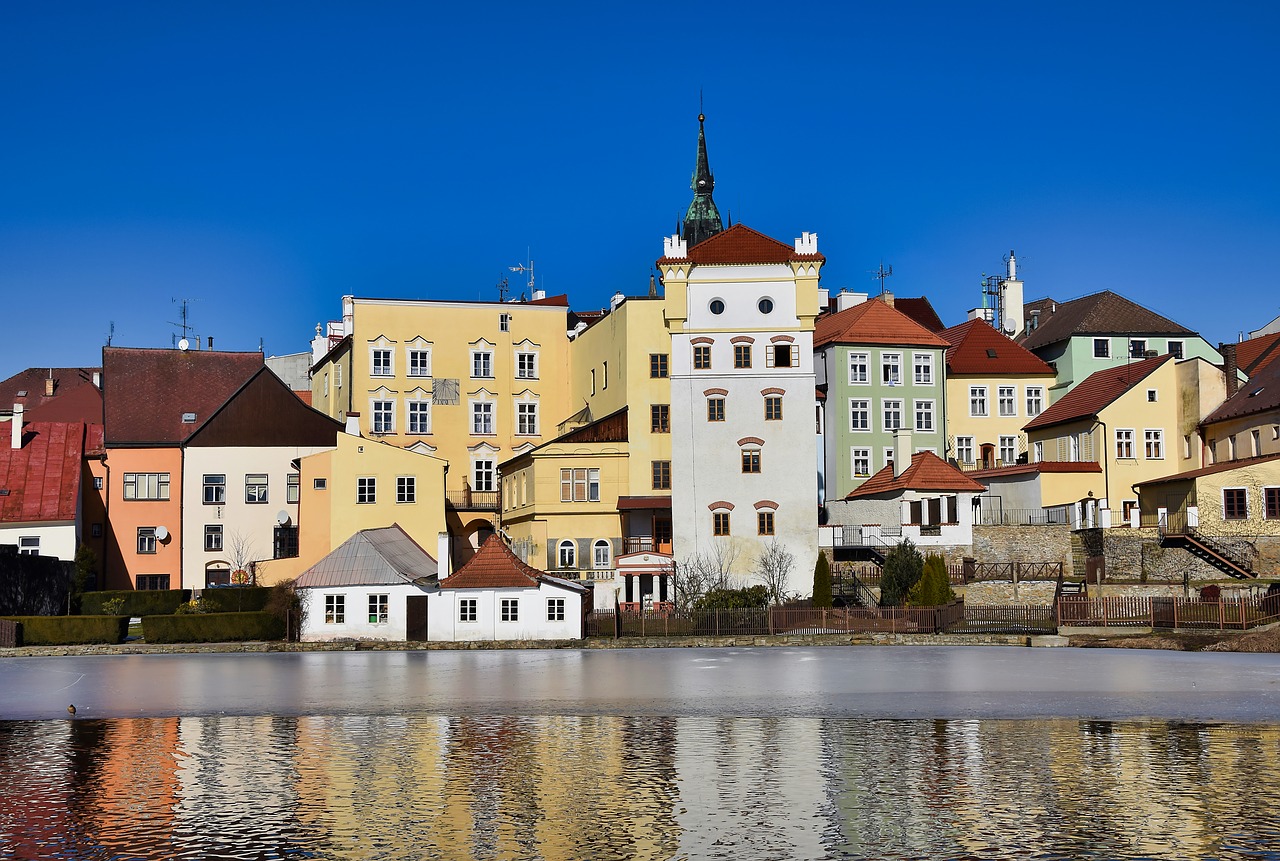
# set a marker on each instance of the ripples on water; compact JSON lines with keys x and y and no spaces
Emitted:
{"x":379,"y":787}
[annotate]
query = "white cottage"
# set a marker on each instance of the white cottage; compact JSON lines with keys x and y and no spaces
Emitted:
{"x":374,"y":586}
{"x":495,"y":596}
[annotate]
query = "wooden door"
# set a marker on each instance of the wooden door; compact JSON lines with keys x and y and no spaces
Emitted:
{"x":415,"y":607}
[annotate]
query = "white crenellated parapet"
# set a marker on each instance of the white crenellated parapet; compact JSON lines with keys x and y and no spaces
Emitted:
{"x":675,"y":247}
{"x":807,"y":243}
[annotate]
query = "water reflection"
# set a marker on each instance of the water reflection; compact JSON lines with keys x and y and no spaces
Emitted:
{"x":482,"y":787}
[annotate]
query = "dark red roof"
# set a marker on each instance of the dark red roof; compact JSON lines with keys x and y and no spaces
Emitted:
{"x":43,"y":477}
{"x":1104,"y":313}
{"x":1095,"y":392}
{"x":926,"y":472}
{"x":147,"y":392}
{"x":1041,"y":466}
{"x":494,"y":567}
{"x":75,"y":398}
{"x":1214,"y":469}
{"x":640,"y":503}
{"x":921,"y":310}
{"x":1254,"y":354}
{"x":740,"y":244}
{"x":560,"y":300}
{"x":1260,"y":394}
{"x":873,"y":322}
{"x":977,"y":348}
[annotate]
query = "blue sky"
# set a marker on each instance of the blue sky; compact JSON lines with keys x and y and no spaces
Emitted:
{"x":263,"y":159}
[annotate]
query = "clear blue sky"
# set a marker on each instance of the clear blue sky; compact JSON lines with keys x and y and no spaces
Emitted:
{"x":263,"y":159}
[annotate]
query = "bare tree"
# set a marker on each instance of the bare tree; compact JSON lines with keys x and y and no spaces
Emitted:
{"x":773,"y":567}
{"x":240,"y":553}
{"x":703,"y":572}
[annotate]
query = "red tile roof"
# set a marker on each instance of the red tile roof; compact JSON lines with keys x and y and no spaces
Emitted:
{"x":740,"y":244}
{"x":494,"y":567}
{"x":873,"y":322}
{"x":1041,"y":466}
{"x":977,"y":348}
{"x":1254,"y":354}
{"x":1095,"y":392}
{"x":921,"y":310}
{"x":1104,"y":313}
{"x":926,"y":472}
{"x":146,"y":392}
{"x":43,"y":477}
{"x":1213,"y":469}
{"x":75,"y":398}
{"x":1260,"y":394}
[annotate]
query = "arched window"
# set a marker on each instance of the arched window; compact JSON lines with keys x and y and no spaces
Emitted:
{"x":568,"y":554}
{"x":601,"y":553}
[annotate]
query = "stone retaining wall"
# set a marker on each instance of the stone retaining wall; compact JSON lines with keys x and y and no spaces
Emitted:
{"x":1038,"y":593}
{"x":1023,"y":544}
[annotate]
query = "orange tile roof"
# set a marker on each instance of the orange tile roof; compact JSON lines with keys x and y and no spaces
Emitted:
{"x":1040,"y":467}
{"x":977,"y":348}
{"x":740,"y":244}
{"x":873,"y":322}
{"x":1256,"y":353}
{"x":495,"y":567}
{"x":1095,"y":392}
{"x":926,"y":472}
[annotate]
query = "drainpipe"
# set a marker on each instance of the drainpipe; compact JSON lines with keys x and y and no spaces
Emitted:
{"x":1106,"y":474}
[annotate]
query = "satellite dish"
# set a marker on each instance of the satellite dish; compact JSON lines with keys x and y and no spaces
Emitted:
{"x":1010,"y":326}
{"x":184,"y":344}
{"x":283,"y":518}
{"x":161,"y":533}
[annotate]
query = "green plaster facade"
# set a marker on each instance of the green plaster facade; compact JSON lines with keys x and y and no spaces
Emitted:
{"x":1077,"y":357}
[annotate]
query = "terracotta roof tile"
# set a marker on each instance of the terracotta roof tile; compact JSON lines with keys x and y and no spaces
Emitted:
{"x":1104,"y":313}
{"x":740,"y":244}
{"x":1260,"y":394}
{"x":1040,"y":467}
{"x":1215,"y":468}
{"x":926,"y":472}
{"x":494,"y":567}
{"x":977,"y":348}
{"x":1254,"y":354}
{"x":1095,"y":392}
{"x":873,"y":322}
{"x":43,"y":477}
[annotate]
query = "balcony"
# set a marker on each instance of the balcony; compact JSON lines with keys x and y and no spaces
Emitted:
{"x":645,"y":545}
{"x":473,"y":500}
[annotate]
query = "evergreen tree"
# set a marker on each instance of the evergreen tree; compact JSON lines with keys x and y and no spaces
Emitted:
{"x":903,"y":566}
{"x":822,"y":582}
{"x":934,"y":587}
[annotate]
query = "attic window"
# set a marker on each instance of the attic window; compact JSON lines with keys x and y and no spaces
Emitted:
{"x":188,"y":418}
{"x":22,"y":393}
{"x":1256,"y":392}
{"x":4,"y":491}
{"x":991,"y":354}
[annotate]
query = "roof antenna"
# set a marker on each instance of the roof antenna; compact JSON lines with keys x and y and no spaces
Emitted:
{"x":882,"y":273}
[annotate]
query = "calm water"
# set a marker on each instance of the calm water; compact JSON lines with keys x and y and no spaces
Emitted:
{"x":524,"y":777}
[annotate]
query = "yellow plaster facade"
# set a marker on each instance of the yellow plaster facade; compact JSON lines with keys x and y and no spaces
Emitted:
{"x":987,"y":439}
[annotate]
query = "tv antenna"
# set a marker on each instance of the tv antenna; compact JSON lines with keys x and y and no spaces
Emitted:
{"x":503,"y":289}
{"x":882,"y":273}
{"x":111,"y":331}
{"x":525,"y":268}
{"x":185,"y":326}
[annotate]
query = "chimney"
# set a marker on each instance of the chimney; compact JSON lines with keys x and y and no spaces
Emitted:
{"x":97,"y":379}
{"x":16,"y":423}
{"x":1230,"y":368}
{"x":901,"y":450}
{"x":353,"y":424}
{"x":443,"y":565}
{"x":210,"y":342}
{"x":888,"y":298}
{"x":48,"y":384}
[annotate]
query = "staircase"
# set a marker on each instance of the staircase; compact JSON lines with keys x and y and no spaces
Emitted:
{"x":1209,"y":548}
{"x":850,"y":588}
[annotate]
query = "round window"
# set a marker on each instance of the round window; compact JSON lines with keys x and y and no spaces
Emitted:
{"x":717,"y":306}
{"x":765,"y":306}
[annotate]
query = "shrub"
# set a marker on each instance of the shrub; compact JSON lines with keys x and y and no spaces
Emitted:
{"x":234,"y":599}
{"x":71,"y":630}
{"x":734,"y":599}
{"x":144,"y":602}
{"x":934,"y":586}
{"x":192,"y":606}
{"x":822,"y":581}
{"x":1211,"y":594}
{"x":284,"y":602}
{"x":903,"y":566}
{"x":212,"y":628}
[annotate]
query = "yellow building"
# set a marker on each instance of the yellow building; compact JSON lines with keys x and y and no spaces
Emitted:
{"x":1247,"y":424}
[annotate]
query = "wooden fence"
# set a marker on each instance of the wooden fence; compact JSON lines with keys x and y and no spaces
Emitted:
{"x":1134,"y":612}
{"x":9,"y":633}
{"x":975,"y":572}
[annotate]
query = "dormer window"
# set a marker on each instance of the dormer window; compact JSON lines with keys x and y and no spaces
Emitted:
{"x":188,"y":418}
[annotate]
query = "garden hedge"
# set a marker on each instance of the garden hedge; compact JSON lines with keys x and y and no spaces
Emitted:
{"x":234,"y":599}
{"x":144,"y":602}
{"x":212,"y":628}
{"x":71,"y":630}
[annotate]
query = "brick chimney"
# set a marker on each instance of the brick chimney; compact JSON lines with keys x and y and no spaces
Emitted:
{"x":49,"y":384}
{"x":1230,"y":368}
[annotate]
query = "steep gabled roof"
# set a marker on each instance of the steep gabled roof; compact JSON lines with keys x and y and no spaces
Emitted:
{"x":495,"y":567}
{"x":1096,"y":392}
{"x":372,"y":557}
{"x":146,"y":392}
{"x":42,"y":479}
{"x":1104,"y":313}
{"x":239,"y":421}
{"x":921,"y":310}
{"x":977,"y":348}
{"x":927,"y":472}
{"x":1252,"y":355}
{"x":1259,"y":395}
{"x":873,"y":322}
{"x":75,"y":398}
{"x":740,"y":244}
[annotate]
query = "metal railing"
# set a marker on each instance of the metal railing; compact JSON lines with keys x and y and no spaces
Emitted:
{"x":645,"y":545}
{"x":473,"y":500}
{"x":1147,"y":612}
{"x":975,"y":572}
{"x":1057,"y":515}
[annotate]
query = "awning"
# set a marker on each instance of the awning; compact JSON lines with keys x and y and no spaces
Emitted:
{"x":633,"y":503}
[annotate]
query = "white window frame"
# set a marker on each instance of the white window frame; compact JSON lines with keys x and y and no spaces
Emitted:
{"x":922,"y":362}
{"x":1124,"y":443}
{"x":859,"y":369}
{"x":978,"y":406}
{"x":888,"y":407}
{"x":155,"y":486}
{"x":1106,"y":348}
{"x":256,"y":488}
{"x":146,"y":540}
{"x":857,"y":453}
{"x":335,"y":609}
{"x":526,"y":365}
{"x":567,"y":554}
{"x":378,"y":606}
{"x":1153,"y":440}
{"x":1035,"y":401}
{"x":366,"y":490}
{"x":419,"y":362}
{"x":526,"y":418}
{"x":28,"y":545}
{"x":891,"y":369}
{"x":418,"y":416}
{"x":965,"y":445}
{"x":213,"y":538}
{"x":484,"y":475}
{"x":1038,"y":451}
{"x":383,"y":419}
{"x":406,"y":489}
{"x":292,"y":488}
{"x":580,"y":484}
{"x":1007,"y":400}
{"x":600,"y":561}
{"x":483,"y":422}
{"x":1007,"y":449}
{"x":924,"y":409}
{"x":379,"y":368}
{"x":1135,"y":353}
{"x":215,"y":489}
{"x":481,"y":363}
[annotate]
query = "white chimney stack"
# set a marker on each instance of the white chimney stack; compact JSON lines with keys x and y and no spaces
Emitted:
{"x":353,"y":424}
{"x":901,"y":451}
{"x":17,"y":426}
{"x":443,"y":565}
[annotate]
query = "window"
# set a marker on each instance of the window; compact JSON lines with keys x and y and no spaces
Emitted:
{"x":715,"y":409}
{"x":782,"y":356}
{"x":1101,"y":348}
{"x":366,"y":490}
{"x":29,"y":545}
{"x":504,"y":322}
{"x":892,"y":413}
{"x":888,"y":456}
{"x":419,"y":363}
{"x":1255,"y":437}
{"x":742,"y":355}
{"x":1152,"y":395}
{"x":858,"y":369}
{"x":580,"y":485}
{"x":1008,"y":449}
{"x":601,"y":553}
{"x":212,"y":538}
{"x":1137,"y":348}
{"x":481,"y":417}
{"x":146,"y":539}
{"x":146,"y":485}
{"x":377,"y":609}
{"x":891,"y":369}
{"x":153,"y":582}
{"x":1008,"y":400}
{"x":924,"y":416}
{"x":977,"y":400}
{"x":1039,"y":452}
{"x":95,"y":530}
{"x":861,"y":462}
{"x":1073,"y":446}
{"x":320,"y":484}
{"x":381,"y":361}
{"x":406,"y":489}
{"x":702,"y":357}
{"x":662,"y":475}
{"x":859,"y":415}
{"x":215,"y":489}
{"x":97,"y":482}
{"x":765,"y":305}
{"x":481,"y":364}
{"x":1154,"y":444}
{"x":383,"y":416}
{"x":527,"y":366}
{"x":660,"y":418}
{"x":773,"y":408}
{"x":1175,"y":349}
{"x":555,"y":609}
{"x":292,"y":486}
{"x":1231,"y":447}
{"x":468,"y":609}
{"x":255,"y":488}
{"x":1271,"y":502}
{"x":923,"y":365}
{"x":527,"y":418}
{"x":284,"y":542}
{"x":964,"y":449}
{"x":593,"y":381}
{"x":658,"y":366}
{"x":764,"y":522}
{"x":419,"y":417}
{"x":717,"y":306}
{"x":720,"y":523}
{"x":1186,"y":445}
{"x":509,"y":610}
{"x":1235,"y":503}
{"x":335,"y":609}
{"x":751,"y":460}
{"x":1124,"y":443}
{"x":1035,"y":401}
{"x":337,"y":376}
{"x":567,"y":554}
{"x":484,"y":476}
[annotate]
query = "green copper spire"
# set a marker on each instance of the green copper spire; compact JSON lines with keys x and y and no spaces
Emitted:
{"x":702,"y":221}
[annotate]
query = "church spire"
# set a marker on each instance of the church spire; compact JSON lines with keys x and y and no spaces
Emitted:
{"x":702,"y":221}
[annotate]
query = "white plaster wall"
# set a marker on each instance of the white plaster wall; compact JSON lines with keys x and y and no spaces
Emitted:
{"x":356,"y":625}
{"x":56,"y":540}
{"x":443,"y":624}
